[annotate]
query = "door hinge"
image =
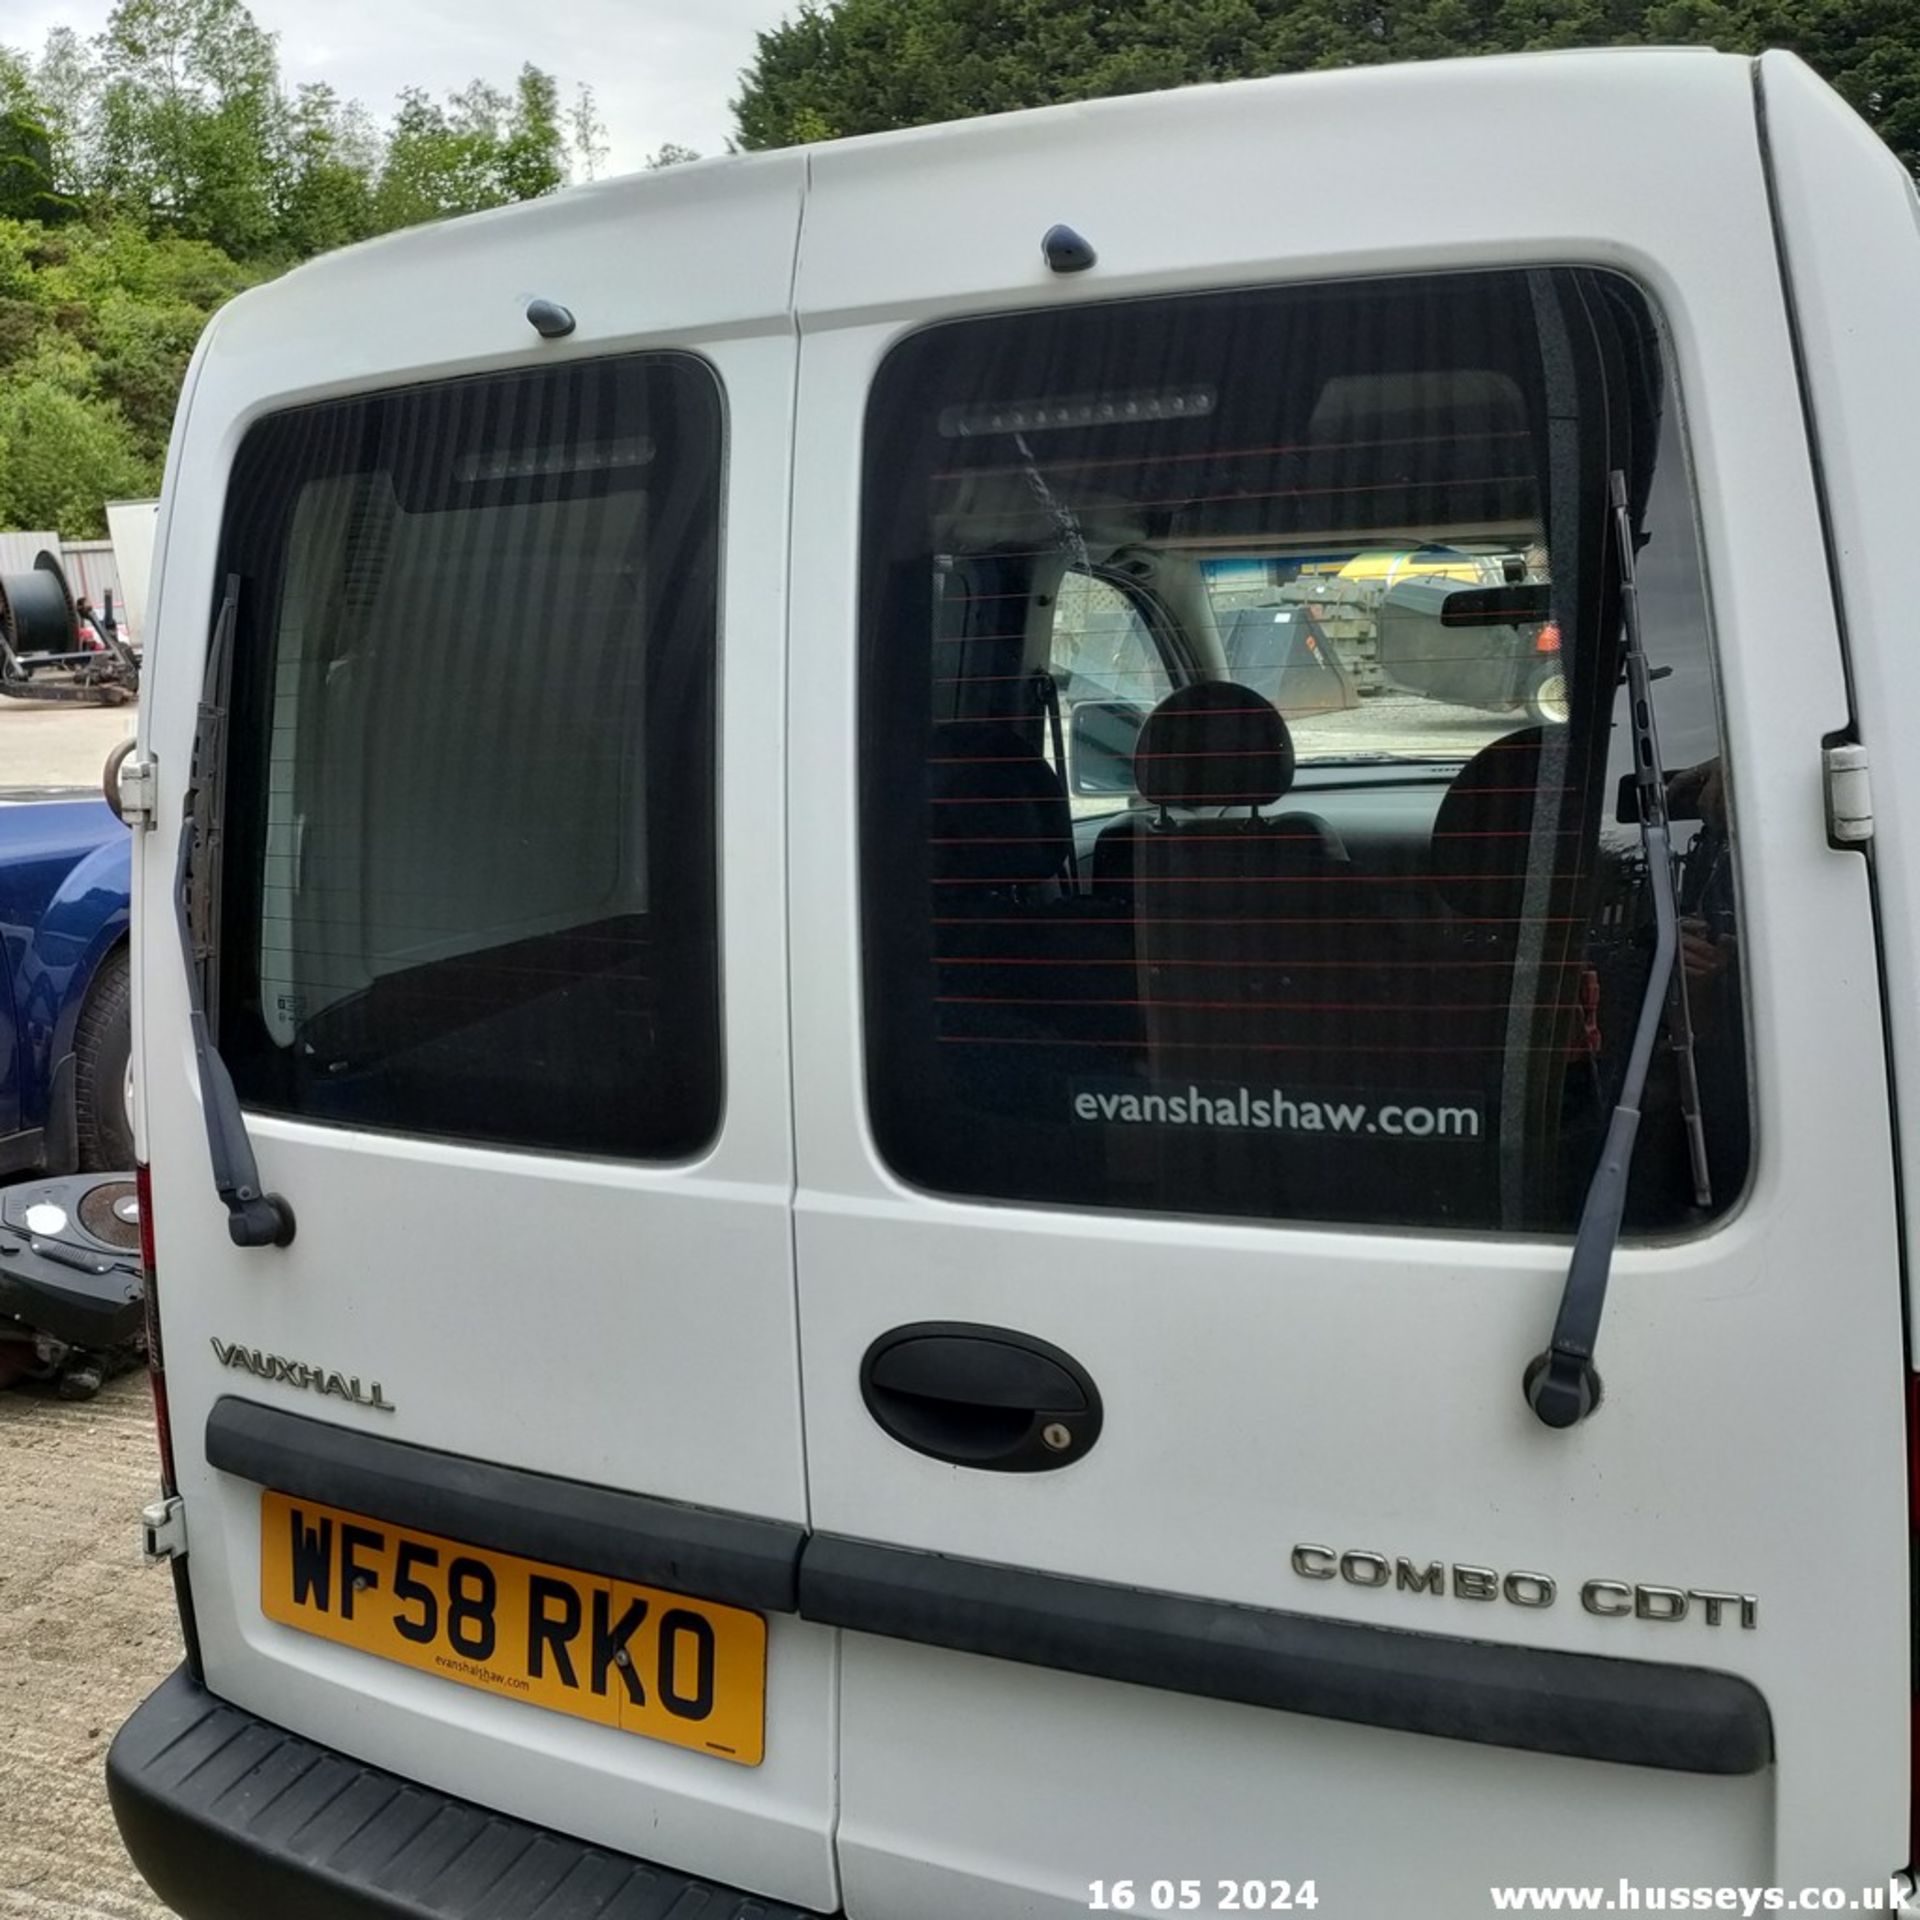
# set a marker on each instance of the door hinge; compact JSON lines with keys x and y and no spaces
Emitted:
{"x":164,"y":1526}
{"x":135,"y":790}
{"x":1849,"y":795}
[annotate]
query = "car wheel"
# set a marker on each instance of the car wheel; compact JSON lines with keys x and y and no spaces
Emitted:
{"x":103,"y":1060}
{"x":1547,"y":696}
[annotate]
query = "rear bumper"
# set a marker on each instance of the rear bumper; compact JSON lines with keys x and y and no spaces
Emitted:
{"x":230,"y":1817}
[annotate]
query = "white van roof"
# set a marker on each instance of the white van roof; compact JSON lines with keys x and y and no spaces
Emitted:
{"x":1423,"y":131}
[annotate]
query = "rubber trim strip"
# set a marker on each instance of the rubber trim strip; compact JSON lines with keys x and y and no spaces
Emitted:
{"x":1586,"y":1706}
{"x":735,"y":1558}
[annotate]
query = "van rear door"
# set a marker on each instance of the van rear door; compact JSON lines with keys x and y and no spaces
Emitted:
{"x":1187,"y":1176}
{"x":495,"y":1472}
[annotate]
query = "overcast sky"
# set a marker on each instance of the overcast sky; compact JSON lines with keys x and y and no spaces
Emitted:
{"x":661,"y":69}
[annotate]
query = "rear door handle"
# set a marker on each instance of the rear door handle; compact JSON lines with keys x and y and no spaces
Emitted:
{"x":981,"y":1396}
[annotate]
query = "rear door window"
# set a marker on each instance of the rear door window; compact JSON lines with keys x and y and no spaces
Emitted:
{"x":470,"y":880}
{"x":1336,"y":914}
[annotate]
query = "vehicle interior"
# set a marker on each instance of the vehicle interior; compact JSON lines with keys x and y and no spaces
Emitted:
{"x":1377,"y":875}
{"x":471,"y":883}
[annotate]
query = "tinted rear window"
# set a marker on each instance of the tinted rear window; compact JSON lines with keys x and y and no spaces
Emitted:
{"x":470,"y":885}
{"x":1216,"y":860}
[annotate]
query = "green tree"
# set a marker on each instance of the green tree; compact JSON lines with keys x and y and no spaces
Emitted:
{"x":186,"y":120}
{"x":28,"y":190}
{"x":66,"y":85}
{"x":484,"y":148}
{"x":531,"y":148}
{"x":587,"y":132}
{"x":862,"y":66}
{"x":153,"y":172}
{"x":327,"y":162}
{"x":433,"y":166}
{"x":62,"y":458}
{"x":175,"y":117}
{"x":105,"y":317}
{"x":26,"y":171}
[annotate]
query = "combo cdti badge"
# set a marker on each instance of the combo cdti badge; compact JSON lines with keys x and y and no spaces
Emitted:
{"x":1007,"y":1023}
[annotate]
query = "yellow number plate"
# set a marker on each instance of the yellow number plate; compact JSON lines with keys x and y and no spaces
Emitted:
{"x":653,"y":1663}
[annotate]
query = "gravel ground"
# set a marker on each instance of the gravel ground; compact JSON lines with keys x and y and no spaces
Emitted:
{"x":56,"y":747}
{"x":86,"y":1631}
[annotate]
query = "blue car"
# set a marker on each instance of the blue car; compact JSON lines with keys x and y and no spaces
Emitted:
{"x":65,"y":1037}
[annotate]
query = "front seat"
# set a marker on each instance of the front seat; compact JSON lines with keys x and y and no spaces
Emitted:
{"x":1232,"y":907}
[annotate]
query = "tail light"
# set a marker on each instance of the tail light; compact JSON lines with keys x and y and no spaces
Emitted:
{"x":1547,"y":640}
{"x":156,"y":1360}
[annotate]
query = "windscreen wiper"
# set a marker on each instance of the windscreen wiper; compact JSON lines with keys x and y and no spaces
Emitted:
{"x":254,"y":1219}
{"x":1561,"y":1384}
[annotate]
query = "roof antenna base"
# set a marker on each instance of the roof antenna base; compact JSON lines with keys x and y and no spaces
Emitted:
{"x":1065,"y":252}
{"x":549,"y":319}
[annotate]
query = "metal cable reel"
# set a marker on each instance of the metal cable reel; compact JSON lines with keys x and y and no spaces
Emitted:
{"x":36,"y":609}
{"x":50,"y":651}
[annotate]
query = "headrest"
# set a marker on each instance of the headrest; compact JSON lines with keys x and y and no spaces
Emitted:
{"x":998,"y":814}
{"x":1213,"y":744}
{"x":1483,"y":830}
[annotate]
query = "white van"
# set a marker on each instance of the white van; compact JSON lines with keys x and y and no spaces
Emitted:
{"x":837,"y":1231}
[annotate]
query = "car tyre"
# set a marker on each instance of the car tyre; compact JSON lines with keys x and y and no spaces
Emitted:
{"x":103,"y":1053}
{"x":1547,"y":704}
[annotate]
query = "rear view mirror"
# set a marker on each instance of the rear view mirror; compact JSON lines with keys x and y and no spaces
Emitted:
{"x":1101,"y":743}
{"x":1514,"y":606}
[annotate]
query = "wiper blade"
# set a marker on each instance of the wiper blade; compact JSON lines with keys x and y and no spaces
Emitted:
{"x":1561,"y":1384}
{"x":254,"y":1218}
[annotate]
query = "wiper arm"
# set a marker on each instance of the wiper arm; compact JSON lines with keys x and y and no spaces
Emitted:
{"x":254,"y":1219}
{"x":1561,"y":1384}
